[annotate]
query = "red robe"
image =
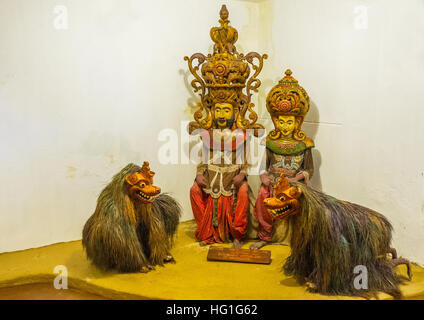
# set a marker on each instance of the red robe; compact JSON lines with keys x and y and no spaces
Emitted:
{"x":230,"y":219}
{"x":202,"y":205}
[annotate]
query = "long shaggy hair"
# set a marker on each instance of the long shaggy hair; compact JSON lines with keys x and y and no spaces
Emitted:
{"x":330,"y":237}
{"x":127,"y":235}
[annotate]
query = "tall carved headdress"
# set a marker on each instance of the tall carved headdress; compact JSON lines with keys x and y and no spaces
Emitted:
{"x":288,"y":98}
{"x":224,"y":75}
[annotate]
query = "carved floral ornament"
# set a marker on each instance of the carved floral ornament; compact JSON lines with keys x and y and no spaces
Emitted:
{"x":224,"y":78}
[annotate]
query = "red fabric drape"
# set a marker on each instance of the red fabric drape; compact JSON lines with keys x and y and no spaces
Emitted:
{"x":202,"y":206}
{"x":261,"y":213}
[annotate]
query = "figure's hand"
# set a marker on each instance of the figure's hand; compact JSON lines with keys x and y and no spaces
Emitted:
{"x":299,"y":176}
{"x":265,"y":179}
{"x":238,"y":179}
{"x":201,"y":180}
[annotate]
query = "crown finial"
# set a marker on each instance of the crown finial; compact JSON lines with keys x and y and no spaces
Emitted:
{"x":145,"y":170}
{"x":146,"y":165}
{"x":224,"y":36}
{"x":288,"y":72}
{"x":282,"y":183}
{"x":223,"y":13}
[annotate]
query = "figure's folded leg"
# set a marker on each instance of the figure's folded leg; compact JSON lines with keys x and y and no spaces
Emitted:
{"x":198,"y":203}
{"x":203,"y":216}
{"x":238,"y":228}
{"x":262,"y":215}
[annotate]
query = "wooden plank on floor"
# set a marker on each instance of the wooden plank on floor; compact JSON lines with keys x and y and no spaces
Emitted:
{"x":239,"y":255}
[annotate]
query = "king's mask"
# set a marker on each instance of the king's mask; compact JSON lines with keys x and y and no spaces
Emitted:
{"x":223,"y":115}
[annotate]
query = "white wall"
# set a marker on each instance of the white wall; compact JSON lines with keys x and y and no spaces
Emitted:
{"x":79,"y":104}
{"x":366,"y":87}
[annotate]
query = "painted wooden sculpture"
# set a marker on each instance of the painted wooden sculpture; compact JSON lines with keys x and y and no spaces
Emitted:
{"x":133,"y":225}
{"x":219,"y":195}
{"x":331,"y":237}
{"x":288,"y":150}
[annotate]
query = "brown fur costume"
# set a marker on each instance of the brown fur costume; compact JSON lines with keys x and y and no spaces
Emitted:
{"x":131,"y":230}
{"x":331,"y":237}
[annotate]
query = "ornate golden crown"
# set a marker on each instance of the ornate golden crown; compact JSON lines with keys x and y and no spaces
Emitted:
{"x":224,"y":75}
{"x":288,"y":98}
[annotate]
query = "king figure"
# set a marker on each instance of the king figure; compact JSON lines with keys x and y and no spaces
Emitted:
{"x":219,"y":195}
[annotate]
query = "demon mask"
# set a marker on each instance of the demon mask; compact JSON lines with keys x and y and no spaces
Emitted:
{"x":141,"y":186}
{"x":285,"y":200}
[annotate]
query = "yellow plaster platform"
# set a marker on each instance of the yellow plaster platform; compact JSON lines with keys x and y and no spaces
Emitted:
{"x":192,"y":277}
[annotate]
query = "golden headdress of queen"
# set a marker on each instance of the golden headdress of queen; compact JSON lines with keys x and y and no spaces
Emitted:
{"x":288,"y":98}
{"x":223,"y":77}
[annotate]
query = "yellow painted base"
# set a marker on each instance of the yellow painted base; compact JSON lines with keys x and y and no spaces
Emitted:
{"x":192,"y":277}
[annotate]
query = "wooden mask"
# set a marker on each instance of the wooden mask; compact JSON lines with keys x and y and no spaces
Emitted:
{"x":141,"y":186}
{"x":285,"y":198}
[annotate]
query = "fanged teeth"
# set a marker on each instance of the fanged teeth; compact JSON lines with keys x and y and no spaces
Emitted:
{"x":280,"y":210}
{"x":143,"y":195}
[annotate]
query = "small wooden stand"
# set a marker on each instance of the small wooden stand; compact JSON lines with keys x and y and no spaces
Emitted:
{"x":239,"y":255}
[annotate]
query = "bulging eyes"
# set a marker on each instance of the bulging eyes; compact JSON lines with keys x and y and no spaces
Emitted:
{"x":282,"y":198}
{"x":142,"y":184}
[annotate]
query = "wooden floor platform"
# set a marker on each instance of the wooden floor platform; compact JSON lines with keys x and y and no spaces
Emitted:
{"x":192,"y":277}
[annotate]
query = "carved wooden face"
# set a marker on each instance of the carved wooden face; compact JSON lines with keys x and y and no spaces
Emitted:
{"x":286,"y":125}
{"x":285,"y":202}
{"x":223,"y":115}
{"x":141,"y":186}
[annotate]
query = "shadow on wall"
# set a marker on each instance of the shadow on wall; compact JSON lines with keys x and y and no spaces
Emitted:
{"x":191,"y":107}
{"x":264,"y":89}
{"x":193,"y":99}
{"x":311,"y":128}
